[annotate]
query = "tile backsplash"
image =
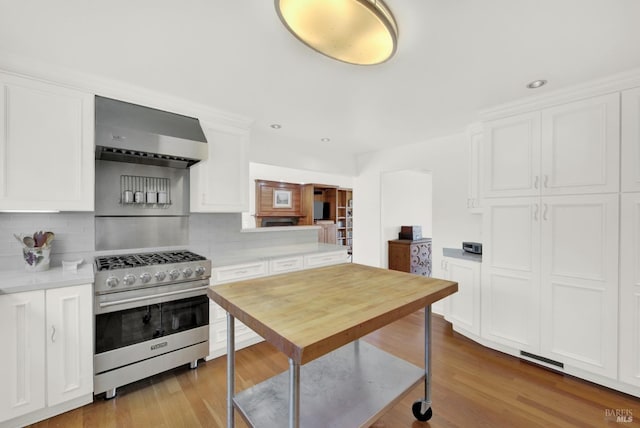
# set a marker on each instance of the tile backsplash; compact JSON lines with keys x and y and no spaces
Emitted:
{"x":209,"y":235}
{"x":74,"y":236}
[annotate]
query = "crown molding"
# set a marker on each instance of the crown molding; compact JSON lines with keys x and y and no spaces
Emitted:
{"x":614,"y":83}
{"x":111,"y":88}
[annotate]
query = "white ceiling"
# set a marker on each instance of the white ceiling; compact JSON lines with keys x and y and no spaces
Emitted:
{"x":455,"y":57}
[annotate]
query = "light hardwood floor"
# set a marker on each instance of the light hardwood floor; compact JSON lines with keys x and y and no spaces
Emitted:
{"x":472,"y":387}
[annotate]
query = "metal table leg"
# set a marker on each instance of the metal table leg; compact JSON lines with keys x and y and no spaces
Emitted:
{"x":294,"y":394}
{"x":231,"y":375}
{"x":422,"y":408}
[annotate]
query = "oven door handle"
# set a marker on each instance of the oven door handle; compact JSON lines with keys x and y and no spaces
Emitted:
{"x":155,"y":296}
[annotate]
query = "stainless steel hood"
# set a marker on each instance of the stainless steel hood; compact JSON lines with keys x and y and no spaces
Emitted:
{"x":132,"y":133}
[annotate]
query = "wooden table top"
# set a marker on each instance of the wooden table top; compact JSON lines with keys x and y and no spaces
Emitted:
{"x":309,"y":313}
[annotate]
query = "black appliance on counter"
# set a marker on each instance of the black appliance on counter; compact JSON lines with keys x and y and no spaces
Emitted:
{"x":472,"y":247}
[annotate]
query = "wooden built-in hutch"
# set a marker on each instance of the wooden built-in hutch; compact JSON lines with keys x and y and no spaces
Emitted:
{"x":291,"y":204}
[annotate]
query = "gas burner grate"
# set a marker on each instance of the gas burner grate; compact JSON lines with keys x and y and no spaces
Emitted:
{"x":145,"y":259}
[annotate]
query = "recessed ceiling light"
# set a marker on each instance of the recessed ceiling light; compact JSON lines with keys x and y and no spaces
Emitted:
{"x":276,"y":126}
{"x":536,"y":84}
{"x":325,"y":140}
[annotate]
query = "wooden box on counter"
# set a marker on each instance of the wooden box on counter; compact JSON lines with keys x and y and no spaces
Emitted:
{"x":411,"y":256}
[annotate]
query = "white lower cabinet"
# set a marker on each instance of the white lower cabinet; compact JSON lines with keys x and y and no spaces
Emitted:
{"x":550,"y":279}
{"x":630,"y":290}
{"x":462,"y":309}
{"x":244,"y":336}
{"x":48,"y":366}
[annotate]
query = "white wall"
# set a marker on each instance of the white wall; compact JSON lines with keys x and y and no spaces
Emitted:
{"x":447,"y":159}
{"x":399,"y":210}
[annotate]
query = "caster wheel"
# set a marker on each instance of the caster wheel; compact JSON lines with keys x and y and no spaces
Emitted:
{"x":417,"y":412}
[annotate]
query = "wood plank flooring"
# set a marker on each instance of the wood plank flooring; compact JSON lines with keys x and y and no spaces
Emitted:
{"x":472,"y":387}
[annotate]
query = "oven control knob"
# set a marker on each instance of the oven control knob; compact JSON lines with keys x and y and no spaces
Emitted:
{"x":145,"y":277}
{"x":187,"y":272}
{"x":174,"y":274}
{"x":112,"y":281}
{"x":200,"y":270}
{"x":129,"y":279}
{"x":161,"y":275}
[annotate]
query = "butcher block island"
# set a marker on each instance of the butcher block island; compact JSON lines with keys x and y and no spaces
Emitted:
{"x":315,"y":317}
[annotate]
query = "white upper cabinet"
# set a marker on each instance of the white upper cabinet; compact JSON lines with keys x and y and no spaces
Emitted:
{"x":581,"y":147}
{"x":630,"y":289}
{"x":46,"y":146}
{"x":221,"y":183}
{"x":512,"y":156}
{"x":631,"y":140}
{"x":573,"y":148}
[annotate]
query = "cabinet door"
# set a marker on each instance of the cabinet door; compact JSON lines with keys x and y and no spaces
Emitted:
{"x":463,"y":307}
{"x":46,"y":146}
{"x":326,"y":259}
{"x":286,"y":264}
{"x":511,"y":274}
{"x":631,"y":140}
{"x":475,"y":175}
{"x":22,"y":360}
{"x":581,"y":147}
{"x":69,"y":343}
{"x":221,"y":183}
{"x":579,"y":281}
{"x":511,"y":150}
{"x":630,"y":289}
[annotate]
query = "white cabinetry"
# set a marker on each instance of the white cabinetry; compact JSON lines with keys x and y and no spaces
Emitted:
{"x":579,"y":281}
{"x":474,"y":201}
{"x":326,"y":258}
{"x":22,"y":361}
{"x":46,"y":146}
{"x":550,"y":281}
{"x":510,"y":273}
{"x":286,"y":264}
{"x":221,"y":183}
{"x":462,"y":309}
{"x":569,"y":149}
{"x":631,"y":140}
{"x":630,"y":290}
{"x":48,"y":367}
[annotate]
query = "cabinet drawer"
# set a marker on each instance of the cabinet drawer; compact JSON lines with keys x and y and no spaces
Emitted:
{"x":325,"y":259}
{"x":238,"y":272}
{"x":287,"y":264}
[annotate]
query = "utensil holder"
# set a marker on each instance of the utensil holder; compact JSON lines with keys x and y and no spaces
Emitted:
{"x":36,"y":259}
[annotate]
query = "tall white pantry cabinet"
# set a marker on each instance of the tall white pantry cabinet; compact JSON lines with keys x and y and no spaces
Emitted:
{"x":550,"y":283}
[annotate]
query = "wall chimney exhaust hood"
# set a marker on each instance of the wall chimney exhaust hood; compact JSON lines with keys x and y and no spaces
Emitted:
{"x":132,"y":133}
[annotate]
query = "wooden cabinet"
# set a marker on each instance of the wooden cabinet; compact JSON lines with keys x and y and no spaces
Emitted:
{"x":46,"y":146}
{"x":569,"y":149}
{"x":221,"y":183}
{"x":327,"y":231}
{"x":629,"y":348}
{"x":550,"y":281}
{"x":631,"y":140}
{"x":50,"y":362}
{"x":462,"y":309}
{"x":474,"y":200}
{"x":411,"y":256}
{"x":344,"y":218}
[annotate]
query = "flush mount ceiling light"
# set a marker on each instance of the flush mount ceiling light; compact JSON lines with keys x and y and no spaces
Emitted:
{"x":536,"y":84}
{"x":325,"y":140}
{"x":275,"y":126}
{"x":361,"y":32}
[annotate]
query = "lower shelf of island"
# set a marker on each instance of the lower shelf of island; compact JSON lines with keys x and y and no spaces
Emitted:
{"x":352,"y":386}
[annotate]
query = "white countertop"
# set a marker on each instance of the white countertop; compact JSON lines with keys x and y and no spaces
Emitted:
{"x":17,"y":281}
{"x":263,"y":254}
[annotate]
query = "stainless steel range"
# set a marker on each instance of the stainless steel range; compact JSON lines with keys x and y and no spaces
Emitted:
{"x":151,"y":315}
